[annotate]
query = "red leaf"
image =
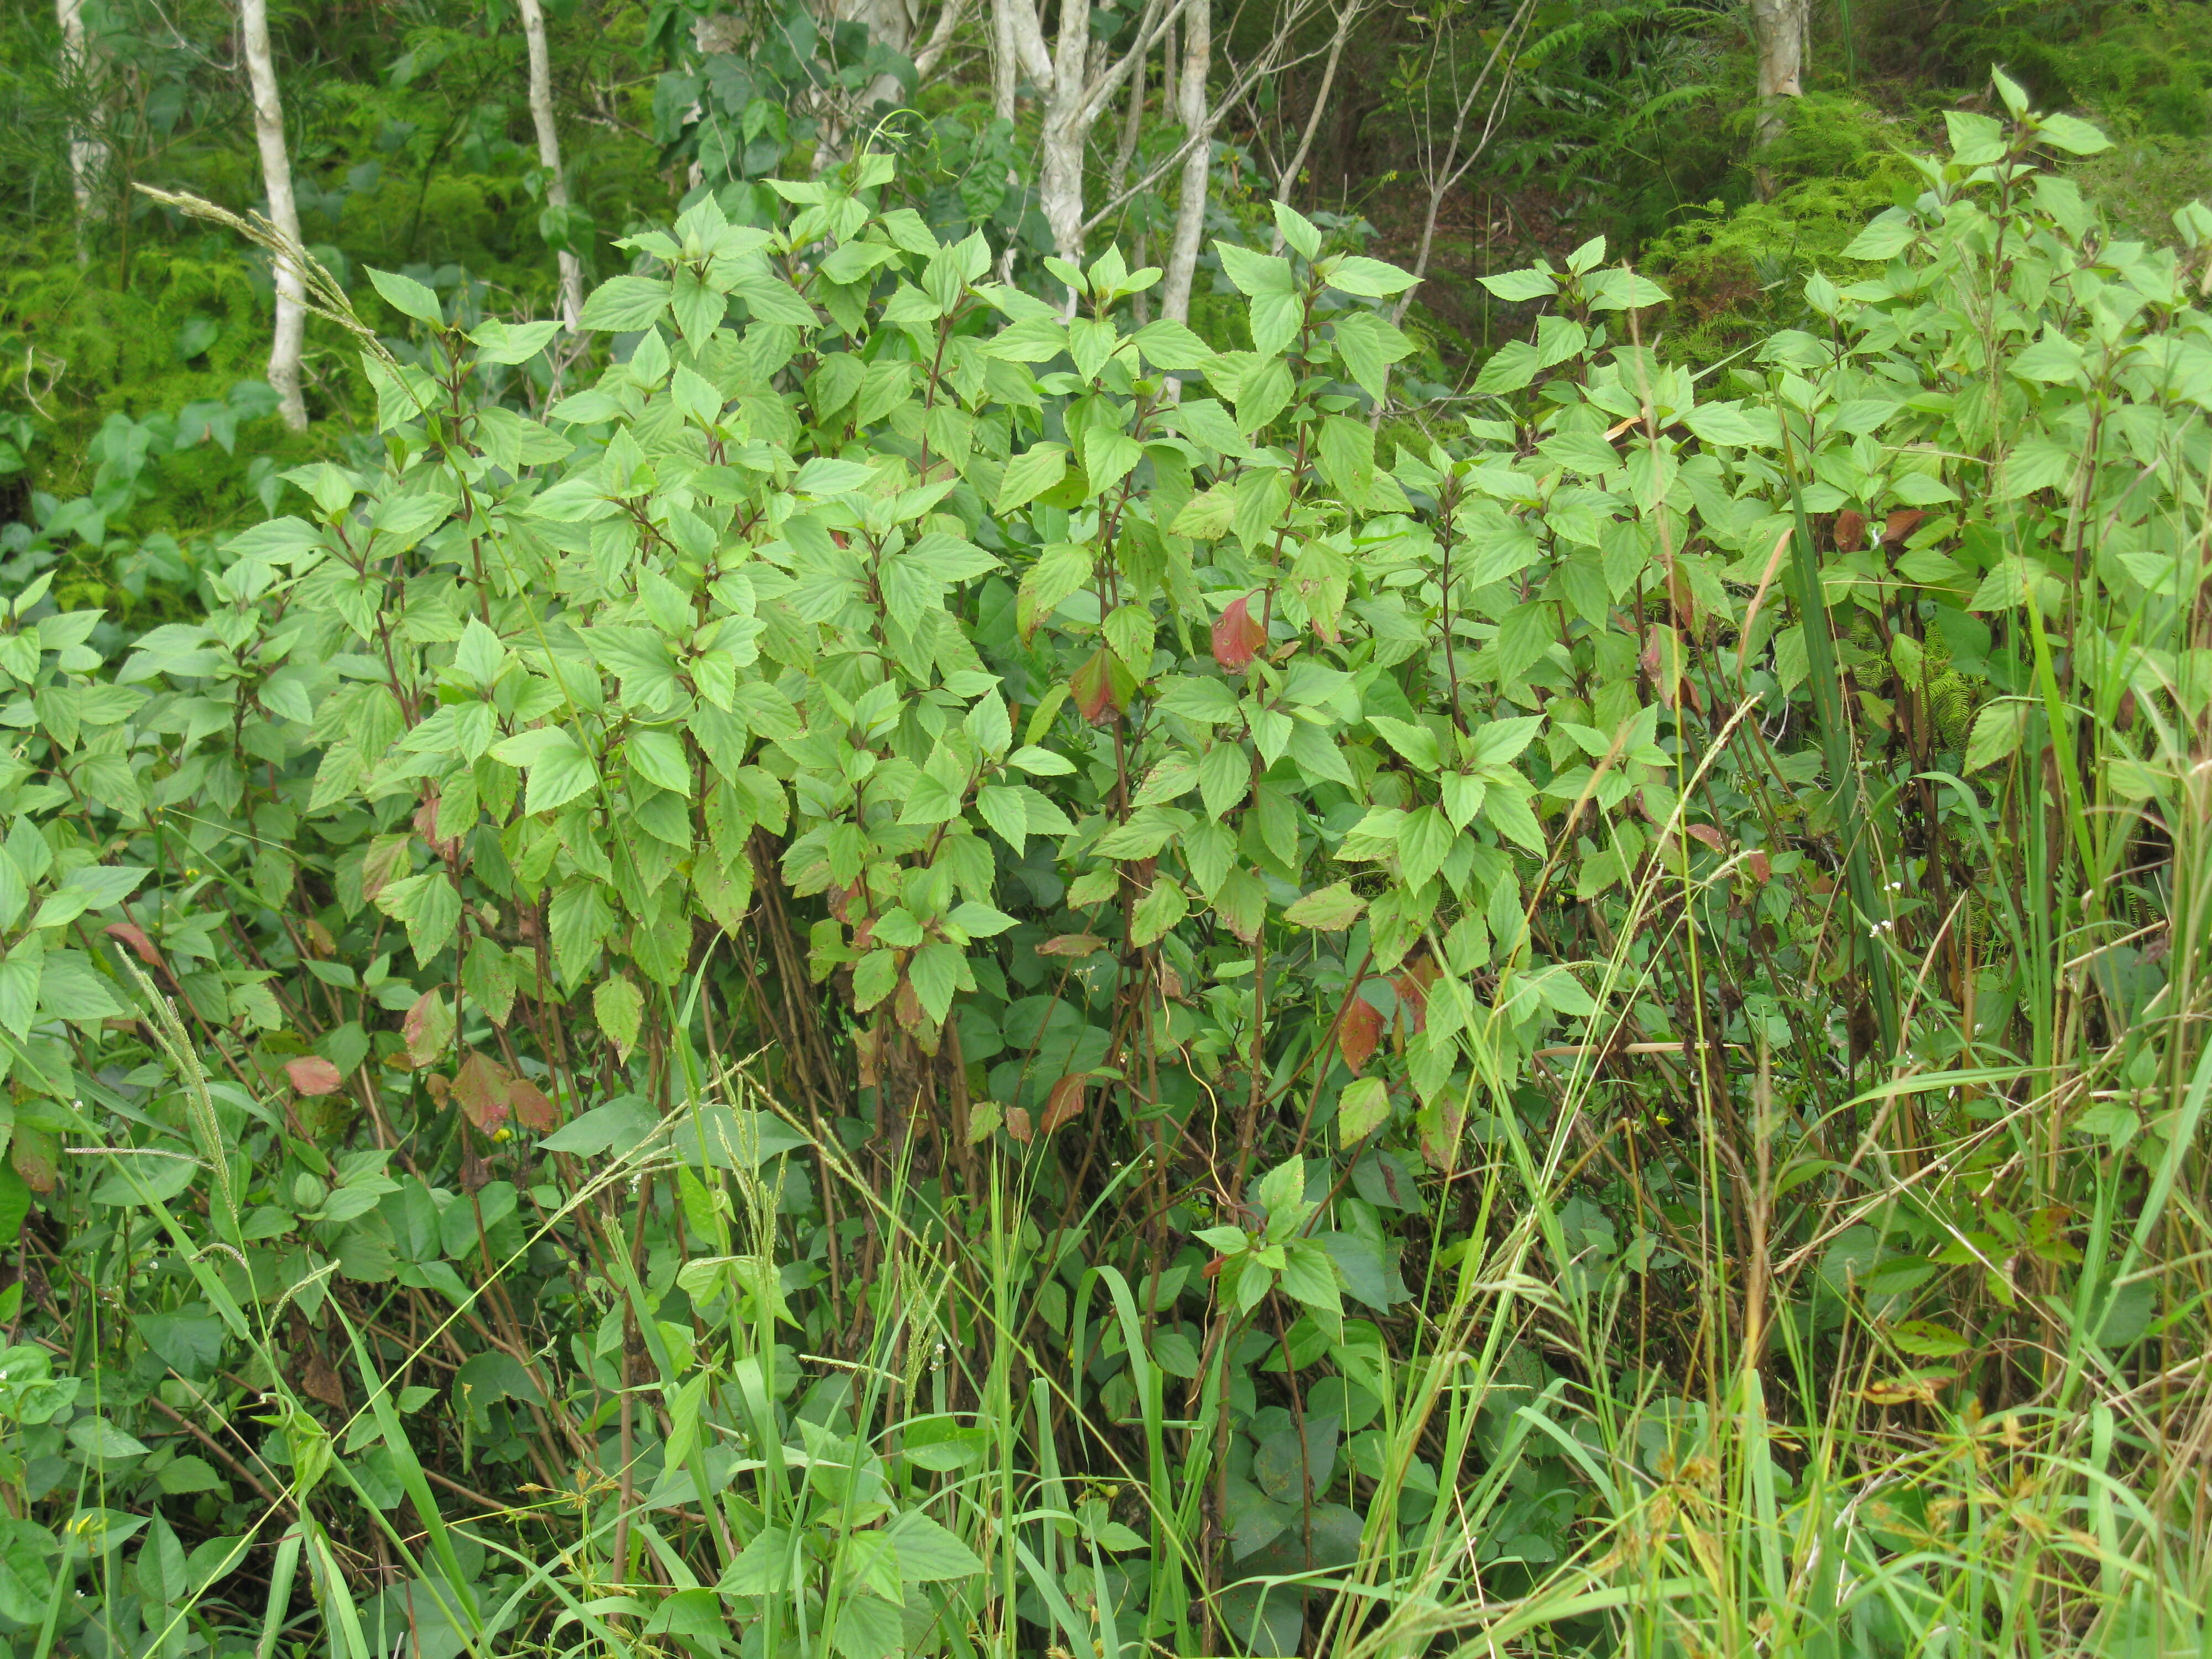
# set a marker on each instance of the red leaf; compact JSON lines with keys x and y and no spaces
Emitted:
{"x":533,"y":1110}
{"x":482,"y":1089}
{"x":1066,"y":1100}
{"x":36,"y":1156}
{"x":1663,"y":660}
{"x":1237,"y":636}
{"x":1707,"y":834}
{"x":1359,"y":1031}
{"x":386,"y":862}
{"x":319,"y":1379}
{"x":427,"y":1028}
{"x":1850,"y":530}
{"x":426,"y":825}
{"x":1100,"y":685}
{"x":1412,"y":987}
{"x":1440,"y":1137}
{"x":1018,"y":1124}
{"x":312,"y":1074}
{"x":1761,"y":867}
{"x":135,"y":936}
{"x":1901,"y":523}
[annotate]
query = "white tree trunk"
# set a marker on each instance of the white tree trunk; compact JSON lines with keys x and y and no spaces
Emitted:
{"x":1197,"y":167}
{"x":1170,"y":54}
{"x":549,"y":153}
{"x":1061,"y":142}
{"x":892,"y":23}
{"x":1025,"y":35}
{"x":285,"y":348}
{"x":941,"y":41}
{"x":1006,"y":58}
{"x":1778,"y":30}
{"x":87,"y":155}
{"x":1132,"y":125}
{"x":1079,"y":83}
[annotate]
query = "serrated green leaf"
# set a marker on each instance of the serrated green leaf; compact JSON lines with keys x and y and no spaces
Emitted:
{"x":1997,"y":734}
{"x":618,"y":1007}
{"x":935,"y":974}
{"x":1369,"y":278}
{"x":408,"y":297}
{"x":658,"y":757}
{"x":625,"y":303}
{"x":1159,"y":910}
{"x":1362,"y":1109}
{"x":1326,"y":909}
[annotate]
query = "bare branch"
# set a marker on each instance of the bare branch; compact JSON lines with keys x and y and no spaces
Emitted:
{"x":1347,"y":15}
{"x":1025,"y":34}
{"x":1238,"y":90}
{"x":1441,"y":179}
{"x":940,"y":38}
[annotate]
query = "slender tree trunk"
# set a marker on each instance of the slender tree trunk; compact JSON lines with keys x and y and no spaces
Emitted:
{"x":1060,"y":181}
{"x":890,"y":21}
{"x":1079,"y":81}
{"x":886,"y":89}
{"x":1778,"y":30}
{"x":1197,"y":165}
{"x":87,"y":155}
{"x":1006,"y":58}
{"x":940,"y":40}
{"x":285,"y":349}
{"x":549,"y":153}
{"x":1133,"y":123}
{"x":1169,"y":53}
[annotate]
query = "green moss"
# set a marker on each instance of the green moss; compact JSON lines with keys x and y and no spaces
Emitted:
{"x":2140,"y":182}
{"x":2142,"y":69}
{"x":1737,"y":273}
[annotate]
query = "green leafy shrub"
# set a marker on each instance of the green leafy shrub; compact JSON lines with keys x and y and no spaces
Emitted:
{"x":920,"y":994}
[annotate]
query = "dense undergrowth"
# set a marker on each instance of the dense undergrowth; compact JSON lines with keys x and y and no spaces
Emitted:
{"x":839,"y":978}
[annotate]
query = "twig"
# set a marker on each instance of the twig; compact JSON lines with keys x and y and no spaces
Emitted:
{"x":1442,"y":181}
{"x":1344,"y":18}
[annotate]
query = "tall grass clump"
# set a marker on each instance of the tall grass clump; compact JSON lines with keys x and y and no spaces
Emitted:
{"x":933,"y":973}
